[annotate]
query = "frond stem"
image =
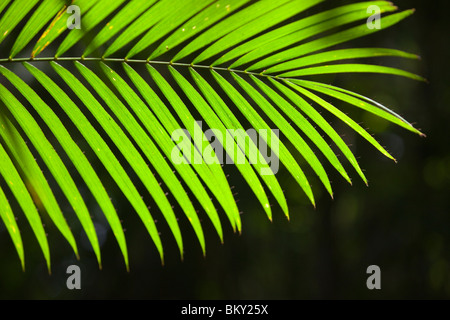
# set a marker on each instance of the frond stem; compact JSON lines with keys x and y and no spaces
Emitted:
{"x":180,"y":64}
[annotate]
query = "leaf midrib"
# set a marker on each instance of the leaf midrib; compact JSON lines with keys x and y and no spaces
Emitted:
{"x":125,"y":60}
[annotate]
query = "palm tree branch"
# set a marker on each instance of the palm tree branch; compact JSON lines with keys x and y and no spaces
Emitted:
{"x":256,"y":59}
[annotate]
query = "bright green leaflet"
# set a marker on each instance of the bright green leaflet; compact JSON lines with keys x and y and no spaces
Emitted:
{"x":123,"y":143}
{"x":11,"y":225}
{"x":15,"y":183}
{"x":214,"y":122}
{"x":177,"y":15}
{"x":76,"y":156}
{"x":40,"y":17}
{"x":343,"y":54}
{"x":219,"y":180}
{"x":342,"y":116}
{"x":59,"y":25}
{"x":104,"y":153}
{"x":3,"y":4}
{"x":323,"y":43}
{"x":54,"y":164}
{"x":15,"y":13}
{"x":34,"y":177}
{"x":254,"y":27}
{"x":94,"y":16}
{"x":290,"y":133}
{"x":315,"y":116}
{"x":310,"y":21}
{"x":228,"y":25}
{"x":127,"y":148}
{"x":257,"y":122}
{"x":305,"y":29}
{"x":198,"y":23}
{"x":140,"y":25}
{"x":230,"y":121}
{"x":351,"y":68}
{"x":241,"y":36}
{"x":359,"y":102}
{"x":126,"y":15}
{"x":143,"y":140}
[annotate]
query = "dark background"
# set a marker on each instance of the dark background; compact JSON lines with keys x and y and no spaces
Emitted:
{"x":400,"y":222}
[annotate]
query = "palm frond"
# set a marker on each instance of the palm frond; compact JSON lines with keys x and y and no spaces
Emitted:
{"x":226,"y":61}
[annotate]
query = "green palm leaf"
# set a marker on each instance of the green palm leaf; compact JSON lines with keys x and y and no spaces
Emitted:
{"x":134,"y":85}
